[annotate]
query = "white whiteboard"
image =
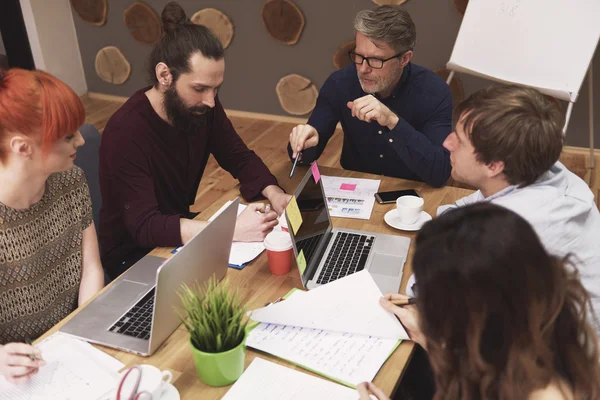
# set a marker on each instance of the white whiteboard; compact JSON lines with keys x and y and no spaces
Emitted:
{"x":546,"y":44}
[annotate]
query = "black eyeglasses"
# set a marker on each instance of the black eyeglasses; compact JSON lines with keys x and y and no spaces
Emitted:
{"x":373,"y":62}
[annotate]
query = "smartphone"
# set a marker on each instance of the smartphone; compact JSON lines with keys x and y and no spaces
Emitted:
{"x":390,"y":197}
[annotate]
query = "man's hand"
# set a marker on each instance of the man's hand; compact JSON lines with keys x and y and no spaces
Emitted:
{"x":367,"y":391}
{"x":253,"y":224}
{"x":408,"y":315}
{"x":16,"y":363}
{"x":368,"y":108}
{"x":277,"y":197}
{"x":303,"y":137}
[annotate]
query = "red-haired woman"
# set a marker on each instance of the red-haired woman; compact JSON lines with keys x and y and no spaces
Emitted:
{"x":49,"y":262}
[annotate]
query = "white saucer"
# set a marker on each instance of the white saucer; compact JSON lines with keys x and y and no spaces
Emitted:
{"x":391,"y":218}
{"x":170,"y":393}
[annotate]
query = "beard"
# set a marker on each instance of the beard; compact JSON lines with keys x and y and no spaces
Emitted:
{"x":380,"y":83}
{"x":183,"y":118}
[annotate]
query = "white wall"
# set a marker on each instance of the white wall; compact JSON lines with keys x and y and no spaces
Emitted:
{"x":53,"y":40}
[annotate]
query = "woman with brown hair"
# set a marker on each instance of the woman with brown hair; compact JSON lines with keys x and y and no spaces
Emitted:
{"x":499,"y":317}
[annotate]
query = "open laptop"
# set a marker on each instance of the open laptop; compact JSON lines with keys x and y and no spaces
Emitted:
{"x":333,"y":253}
{"x":140,"y":310}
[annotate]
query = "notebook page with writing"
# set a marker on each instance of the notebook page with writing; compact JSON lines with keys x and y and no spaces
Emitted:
{"x":75,"y":370}
{"x":265,"y":380}
{"x":343,"y":357}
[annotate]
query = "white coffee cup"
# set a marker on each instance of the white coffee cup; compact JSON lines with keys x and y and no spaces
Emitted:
{"x":409,"y":209}
{"x":153,"y":382}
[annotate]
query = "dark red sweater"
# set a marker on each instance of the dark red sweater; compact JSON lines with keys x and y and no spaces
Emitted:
{"x":150,"y":173}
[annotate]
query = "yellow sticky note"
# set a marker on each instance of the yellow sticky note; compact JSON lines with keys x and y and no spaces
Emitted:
{"x":293,"y":213}
{"x":301,"y":262}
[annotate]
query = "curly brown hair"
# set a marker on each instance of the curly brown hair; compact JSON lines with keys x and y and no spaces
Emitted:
{"x":502,"y":317}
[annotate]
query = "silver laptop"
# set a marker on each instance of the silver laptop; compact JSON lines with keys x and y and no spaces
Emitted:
{"x":332,"y":253}
{"x":140,"y":310}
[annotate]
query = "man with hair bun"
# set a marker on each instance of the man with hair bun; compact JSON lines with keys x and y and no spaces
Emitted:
{"x":395,"y":114}
{"x":156,"y":146}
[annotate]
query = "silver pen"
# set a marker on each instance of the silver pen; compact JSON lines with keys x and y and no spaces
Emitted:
{"x":295,"y":162}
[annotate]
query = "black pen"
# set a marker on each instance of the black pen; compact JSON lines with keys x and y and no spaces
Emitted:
{"x":295,"y":162}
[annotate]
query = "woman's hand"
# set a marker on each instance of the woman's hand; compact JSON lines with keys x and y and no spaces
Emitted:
{"x":408,"y":315}
{"x":368,"y":391}
{"x":19,"y":362}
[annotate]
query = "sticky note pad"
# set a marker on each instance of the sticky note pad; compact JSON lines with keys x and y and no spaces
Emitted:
{"x":293,"y":213}
{"x":301,"y":262}
{"x":315,"y":172}
{"x":348,"y":186}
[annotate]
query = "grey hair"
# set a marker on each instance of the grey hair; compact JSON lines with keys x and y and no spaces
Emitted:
{"x":391,"y":24}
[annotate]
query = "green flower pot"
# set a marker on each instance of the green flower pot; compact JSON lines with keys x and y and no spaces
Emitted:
{"x":220,"y":369}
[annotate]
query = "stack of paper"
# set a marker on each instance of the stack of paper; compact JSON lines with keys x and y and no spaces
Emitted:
{"x":264,"y":380}
{"x":75,"y":370}
{"x":350,"y":197}
{"x":338,"y":330}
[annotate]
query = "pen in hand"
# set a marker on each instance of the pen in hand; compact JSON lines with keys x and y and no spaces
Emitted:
{"x":295,"y":162}
{"x":32,"y":356}
{"x":404,"y":302}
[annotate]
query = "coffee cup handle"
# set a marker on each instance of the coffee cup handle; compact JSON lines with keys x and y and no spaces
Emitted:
{"x":167,"y":376}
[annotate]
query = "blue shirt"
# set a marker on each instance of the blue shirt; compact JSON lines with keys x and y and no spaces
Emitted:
{"x":412,"y":150}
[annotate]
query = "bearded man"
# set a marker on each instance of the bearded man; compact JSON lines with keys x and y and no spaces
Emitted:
{"x":155,"y":148}
{"x":395,"y":114}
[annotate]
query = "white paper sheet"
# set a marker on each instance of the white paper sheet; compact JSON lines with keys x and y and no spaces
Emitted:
{"x":346,"y":305}
{"x":75,"y":370}
{"x":345,"y":357}
{"x":265,"y":380}
{"x":350,"y":197}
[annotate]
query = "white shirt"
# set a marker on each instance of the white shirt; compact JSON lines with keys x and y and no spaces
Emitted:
{"x":560,"y":207}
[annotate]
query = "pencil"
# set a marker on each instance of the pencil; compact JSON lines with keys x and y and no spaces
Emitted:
{"x":404,"y":302}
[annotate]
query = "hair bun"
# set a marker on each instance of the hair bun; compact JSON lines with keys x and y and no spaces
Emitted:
{"x":173,"y":16}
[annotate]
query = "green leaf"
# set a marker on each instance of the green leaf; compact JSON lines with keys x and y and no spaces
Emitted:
{"x":213,"y":315}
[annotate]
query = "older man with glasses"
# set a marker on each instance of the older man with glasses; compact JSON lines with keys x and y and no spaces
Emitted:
{"x":395,"y":114}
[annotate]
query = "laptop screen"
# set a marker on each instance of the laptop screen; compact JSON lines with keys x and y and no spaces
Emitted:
{"x":315,"y":218}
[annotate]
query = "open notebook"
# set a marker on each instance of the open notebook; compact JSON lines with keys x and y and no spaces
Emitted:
{"x":337,"y":330}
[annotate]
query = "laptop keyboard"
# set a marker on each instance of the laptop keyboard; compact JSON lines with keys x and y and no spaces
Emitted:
{"x":138,"y":320}
{"x":309,"y":245}
{"x":348,"y":255}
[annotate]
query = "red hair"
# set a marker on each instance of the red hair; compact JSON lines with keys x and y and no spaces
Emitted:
{"x":32,"y":101}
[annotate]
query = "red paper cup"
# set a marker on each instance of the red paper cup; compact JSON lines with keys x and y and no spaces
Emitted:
{"x":279,"y":252}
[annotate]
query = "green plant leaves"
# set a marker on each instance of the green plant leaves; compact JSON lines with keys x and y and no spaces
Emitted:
{"x":215,"y":316}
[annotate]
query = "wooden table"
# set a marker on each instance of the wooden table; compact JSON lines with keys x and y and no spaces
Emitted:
{"x":258,"y":286}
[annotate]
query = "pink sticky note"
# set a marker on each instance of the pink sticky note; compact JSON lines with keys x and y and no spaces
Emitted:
{"x":315,"y":172}
{"x":348,"y":186}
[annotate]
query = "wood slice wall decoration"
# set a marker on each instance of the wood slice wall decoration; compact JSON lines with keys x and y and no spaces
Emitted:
{"x":461,"y":6}
{"x":456,"y":87}
{"x":91,"y":11}
{"x":218,"y":22}
{"x":112,"y":66}
{"x":297,"y":94}
{"x":143,"y":23}
{"x":284,"y":20}
{"x":389,"y":2}
{"x":340,"y":57}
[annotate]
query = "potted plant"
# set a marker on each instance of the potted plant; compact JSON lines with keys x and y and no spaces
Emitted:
{"x":217,"y":325}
